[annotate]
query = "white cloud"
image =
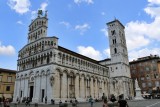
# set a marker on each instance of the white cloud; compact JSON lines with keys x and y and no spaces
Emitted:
{"x":67,"y":24}
{"x":82,"y":28}
{"x":33,"y":14}
{"x":104,"y":30}
{"x":152,"y":2}
{"x":43,"y":6}
{"x":20,"y":6}
{"x":90,"y":52}
{"x":85,"y":1}
{"x":137,"y":31}
{"x":147,"y":32}
{"x":134,"y":54}
{"x":107,"y":52}
{"x":7,"y":50}
{"x":153,"y":11}
{"x":20,"y":22}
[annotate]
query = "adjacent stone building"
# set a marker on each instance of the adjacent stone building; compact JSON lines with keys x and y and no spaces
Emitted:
{"x":147,"y":71}
{"x":7,"y":80}
{"x":47,"y":69}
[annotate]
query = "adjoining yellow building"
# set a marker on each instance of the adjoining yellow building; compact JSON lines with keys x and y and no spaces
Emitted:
{"x":7,"y":80}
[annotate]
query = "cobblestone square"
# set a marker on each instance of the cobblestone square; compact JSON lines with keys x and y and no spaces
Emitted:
{"x":142,"y":103}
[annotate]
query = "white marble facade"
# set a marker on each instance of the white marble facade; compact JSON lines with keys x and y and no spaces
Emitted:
{"x":46,"y":69}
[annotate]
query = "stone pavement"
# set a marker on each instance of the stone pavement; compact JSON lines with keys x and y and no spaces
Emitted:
{"x":142,"y":103}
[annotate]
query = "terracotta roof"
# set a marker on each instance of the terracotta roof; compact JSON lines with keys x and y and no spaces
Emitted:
{"x":7,"y":70}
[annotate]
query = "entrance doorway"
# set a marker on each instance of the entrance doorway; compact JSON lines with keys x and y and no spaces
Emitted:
{"x":31,"y":93}
{"x":42,"y":95}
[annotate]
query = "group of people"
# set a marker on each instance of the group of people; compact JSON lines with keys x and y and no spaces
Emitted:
{"x":74,"y":103}
{"x":25,"y":99}
{"x":5,"y":101}
{"x":121,"y":102}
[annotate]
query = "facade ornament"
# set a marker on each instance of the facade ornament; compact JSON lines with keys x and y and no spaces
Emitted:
{"x":32,"y":78}
{"x":46,"y":13}
{"x":51,"y":80}
{"x":40,"y":12}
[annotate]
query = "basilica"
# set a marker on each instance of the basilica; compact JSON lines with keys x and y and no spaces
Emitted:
{"x":52,"y":72}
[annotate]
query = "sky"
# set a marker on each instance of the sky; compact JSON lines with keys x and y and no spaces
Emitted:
{"x":80,"y":26}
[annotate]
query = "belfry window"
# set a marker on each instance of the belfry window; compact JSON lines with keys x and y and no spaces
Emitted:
{"x":113,"y":32}
{"x":115,"y":50}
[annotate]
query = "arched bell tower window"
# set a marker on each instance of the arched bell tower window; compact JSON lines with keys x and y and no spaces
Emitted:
{"x":115,"y":50}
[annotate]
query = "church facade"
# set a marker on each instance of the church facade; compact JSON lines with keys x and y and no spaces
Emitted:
{"x":46,"y":69}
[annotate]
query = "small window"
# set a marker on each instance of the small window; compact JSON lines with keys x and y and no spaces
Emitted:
{"x":157,"y":83}
{"x":142,"y":78}
{"x":143,"y":85}
{"x":148,"y":77}
{"x":113,"y":32}
{"x":7,"y":88}
{"x":149,"y":84}
{"x":9,"y":79}
{"x":1,"y":78}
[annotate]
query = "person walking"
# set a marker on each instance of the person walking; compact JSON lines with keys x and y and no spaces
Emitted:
{"x":105,"y":104}
{"x":28,"y":101}
{"x":46,"y":100}
{"x":113,"y":99}
{"x":121,"y":102}
{"x":91,"y":101}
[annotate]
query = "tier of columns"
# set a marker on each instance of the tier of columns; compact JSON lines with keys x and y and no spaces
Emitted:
{"x":79,"y":87}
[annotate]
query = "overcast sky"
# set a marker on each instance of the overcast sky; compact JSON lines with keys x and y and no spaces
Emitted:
{"x":80,"y":26}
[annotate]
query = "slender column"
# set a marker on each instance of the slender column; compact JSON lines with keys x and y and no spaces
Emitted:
{"x":60,"y":91}
{"x":34,"y":91}
{"x":91,"y":87}
{"x":64,"y":85}
{"x":15,"y":90}
{"x":85,"y":87}
{"x":77,"y":86}
{"x":96,"y":94}
{"x":69,"y":81}
{"x":82,"y":87}
{"x":67,"y":86}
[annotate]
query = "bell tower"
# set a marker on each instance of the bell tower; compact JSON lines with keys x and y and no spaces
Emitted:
{"x":118,"y":49}
{"x":38,"y":27}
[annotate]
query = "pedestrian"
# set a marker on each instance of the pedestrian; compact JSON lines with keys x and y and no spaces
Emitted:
{"x":105,"y":104}
{"x":76,"y":101}
{"x":91,"y":101}
{"x":60,"y":104}
{"x":121,"y":102}
{"x":74,"y":104}
{"x":65,"y":104}
{"x":46,"y":100}
{"x":113,"y":99}
{"x":7,"y":102}
{"x":0,"y":101}
{"x":28,"y":101}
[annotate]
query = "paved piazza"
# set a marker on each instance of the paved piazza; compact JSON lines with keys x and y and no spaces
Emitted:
{"x":144,"y":103}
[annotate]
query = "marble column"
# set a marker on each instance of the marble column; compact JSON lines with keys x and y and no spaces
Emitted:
{"x":57,"y":86}
{"x":15,"y":90}
{"x":96,"y":93}
{"x":82,"y":87}
{"x":77,"y":86}
{"x":64,"y":85}
{"x":91,"y":87}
